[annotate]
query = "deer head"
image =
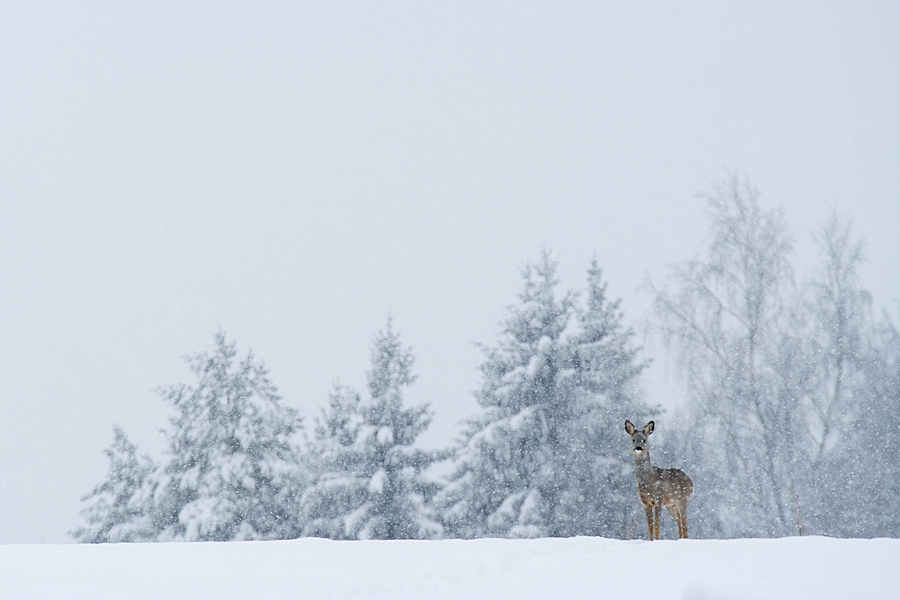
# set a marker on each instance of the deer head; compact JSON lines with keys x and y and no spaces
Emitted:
{"x":639,"y":437}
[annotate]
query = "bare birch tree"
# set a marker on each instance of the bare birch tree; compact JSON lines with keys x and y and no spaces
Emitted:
{"x":722,"y":314}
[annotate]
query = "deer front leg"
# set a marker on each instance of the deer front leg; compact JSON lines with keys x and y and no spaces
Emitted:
{"x":657,"y":514}
{"x":649,"y":511}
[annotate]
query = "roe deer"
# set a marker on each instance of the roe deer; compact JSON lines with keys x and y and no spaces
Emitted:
{"x":658,"y":487}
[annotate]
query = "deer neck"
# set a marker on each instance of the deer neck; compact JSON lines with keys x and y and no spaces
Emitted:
{"x":642,"y":466}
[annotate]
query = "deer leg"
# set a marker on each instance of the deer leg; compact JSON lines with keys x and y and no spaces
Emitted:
{"x":649,"y":511}
{"x":682,"y":509}
{"x":657,"y":514}
{"x":673,"y":510}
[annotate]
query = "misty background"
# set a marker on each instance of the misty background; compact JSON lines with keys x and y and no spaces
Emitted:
{"x":292,"y":174}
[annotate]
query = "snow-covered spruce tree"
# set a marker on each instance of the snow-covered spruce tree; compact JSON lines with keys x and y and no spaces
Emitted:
{"x":603,"y":367}
{"x":336,"y":464}
{"x":368,"y":478}
{"x":545,"y":456}
{"x":120,"y":508}
{"x":232,"y":471}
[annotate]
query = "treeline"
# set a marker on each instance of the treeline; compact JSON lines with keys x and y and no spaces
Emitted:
{"x":789,"y":424}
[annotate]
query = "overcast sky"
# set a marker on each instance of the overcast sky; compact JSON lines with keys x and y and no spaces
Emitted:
{"x":292,"y":173}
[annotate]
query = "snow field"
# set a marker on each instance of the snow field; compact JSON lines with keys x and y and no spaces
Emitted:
{"x":574,"y":568}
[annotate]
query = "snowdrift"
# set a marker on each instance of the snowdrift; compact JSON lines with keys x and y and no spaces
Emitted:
{"x":790,"y":568}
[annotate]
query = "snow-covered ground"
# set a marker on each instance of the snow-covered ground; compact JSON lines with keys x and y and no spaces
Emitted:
{"x":790,"y":568}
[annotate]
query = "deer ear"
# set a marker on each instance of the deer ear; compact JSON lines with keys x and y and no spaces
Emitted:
{"x":649,"y":428}
{"x":629,"y":428}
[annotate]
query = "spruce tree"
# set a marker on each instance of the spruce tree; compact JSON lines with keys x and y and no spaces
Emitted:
{"x":336,"y":467}
{"x":232,"y":470}
{"x":602,"y":371}
{"x":543,"y":457}
{"x":121,"y":507}
{"x":369,"y":481}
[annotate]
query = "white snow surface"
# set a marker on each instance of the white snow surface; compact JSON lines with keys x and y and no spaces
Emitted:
{"x":790,"y":568}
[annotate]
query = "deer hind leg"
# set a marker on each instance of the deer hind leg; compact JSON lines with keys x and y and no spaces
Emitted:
{"x":678,"y":510}
{"x":675,"y":511}
{"x":682,"y":524}
{"x":649,"y":511}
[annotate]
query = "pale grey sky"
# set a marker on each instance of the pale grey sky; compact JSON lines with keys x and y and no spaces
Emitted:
{"x":292,"y":172}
